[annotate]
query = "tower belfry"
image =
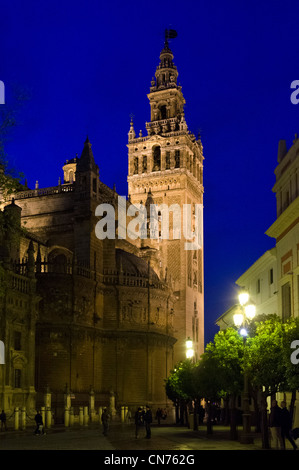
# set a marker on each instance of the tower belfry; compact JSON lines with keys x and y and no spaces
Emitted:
{"x":168,"y":162}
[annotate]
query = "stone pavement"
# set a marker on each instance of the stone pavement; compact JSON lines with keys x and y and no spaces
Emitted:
{"x":121,"y":437}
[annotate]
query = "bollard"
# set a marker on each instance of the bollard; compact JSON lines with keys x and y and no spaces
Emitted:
{"x":92,"y":411}
{"x":23,"y":418}
{"x":48,"y":417}
{"x":91,"y":404}
{"x":16,"y":418}
{"x":122,"y":414}
{"x":67,"y":398}
{"x":66,"y":417}
{"x":81,"y":420}
{"x":85,"y":416}
{"x":72,"y":418}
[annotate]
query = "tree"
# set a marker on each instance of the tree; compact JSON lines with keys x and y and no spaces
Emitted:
{"x":228,"y":350}
{"x":208,"y":380}
{"x":263,"y":362}
{"x":10,"y":179}
{"x":180,"y":388}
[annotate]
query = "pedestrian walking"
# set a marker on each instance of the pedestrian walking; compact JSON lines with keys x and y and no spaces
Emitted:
{"x":148,"y":420}
{"x":39,"y":424}
{"x":275,"y":421}
{"x":3,"y":421}
{"x":105,"y":421}
{"x":138,"y":421}
{"x":286,"y":425}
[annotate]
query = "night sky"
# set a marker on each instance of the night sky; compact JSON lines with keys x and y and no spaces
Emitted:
{"x":88,"y":66}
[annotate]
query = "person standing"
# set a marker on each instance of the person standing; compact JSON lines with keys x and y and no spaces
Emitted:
{"x":105,"y":421}
{"x":39,"y":424}
{"x":138,"y":421}
{"x":275,"y":420}
{"x":148,"y":420}
{"x":286,"y":425}
{"x":3,"y":421}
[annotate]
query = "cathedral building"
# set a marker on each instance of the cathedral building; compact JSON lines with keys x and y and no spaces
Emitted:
{"x":81,"y":313}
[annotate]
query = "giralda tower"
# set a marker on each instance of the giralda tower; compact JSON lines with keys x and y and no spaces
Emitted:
{"x":167,"y":164}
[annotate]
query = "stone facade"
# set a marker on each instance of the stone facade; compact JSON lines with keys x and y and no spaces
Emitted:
{"x":19,"y":302}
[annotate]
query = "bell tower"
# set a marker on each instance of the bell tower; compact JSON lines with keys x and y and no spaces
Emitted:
{"x":168,"y":162}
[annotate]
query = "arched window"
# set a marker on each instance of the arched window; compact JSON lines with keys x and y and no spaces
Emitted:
{"x":177,"y":159}
{"x":167,"y":161}
{"x":136,"y":166}
{"x":144,"y":164}
{"x":163,"y":112}
{"x":156,"y":158}
{"x":71,"y":176}
{"x":58,"y":263}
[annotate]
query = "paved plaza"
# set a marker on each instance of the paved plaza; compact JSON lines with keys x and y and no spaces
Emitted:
{"x":121,"y":437}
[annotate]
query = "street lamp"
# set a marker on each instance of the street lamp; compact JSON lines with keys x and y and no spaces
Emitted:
{"x":242,"y":320}
{"x":189,"y":348}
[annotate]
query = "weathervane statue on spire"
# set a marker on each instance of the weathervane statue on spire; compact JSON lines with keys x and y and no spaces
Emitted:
{"x":170,"y":34}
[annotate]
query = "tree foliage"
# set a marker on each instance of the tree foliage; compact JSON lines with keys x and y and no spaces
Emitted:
{"x":227,"y":351}
{"x":180,"y":384}
{"x":263,"y":359}
{"x":10,"y":178}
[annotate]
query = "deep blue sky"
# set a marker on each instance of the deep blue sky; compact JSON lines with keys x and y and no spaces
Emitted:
{"x":88,"y":66}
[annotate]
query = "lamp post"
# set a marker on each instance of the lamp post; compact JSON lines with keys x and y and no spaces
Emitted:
{"x":189,"y":348}
{"x":242,"y":320}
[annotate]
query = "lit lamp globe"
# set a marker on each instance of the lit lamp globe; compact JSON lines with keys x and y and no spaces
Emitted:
{"x":189,"y":353}
{"x":238,"y":319}
{"x":243,"y":298}
{"x":243,"y":332}
{"x":250,"y":311}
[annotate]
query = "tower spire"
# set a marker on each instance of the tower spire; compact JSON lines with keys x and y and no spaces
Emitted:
{"x":166,"y":98}
{"x":86,"y":160}
{"x":166,"y":72}
{"x":131,"y":133}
